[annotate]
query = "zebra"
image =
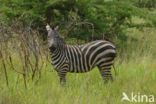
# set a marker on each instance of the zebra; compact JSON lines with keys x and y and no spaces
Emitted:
{"x":80,"y":58}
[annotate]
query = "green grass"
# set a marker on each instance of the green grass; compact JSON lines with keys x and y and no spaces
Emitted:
{"x":135,"y":74}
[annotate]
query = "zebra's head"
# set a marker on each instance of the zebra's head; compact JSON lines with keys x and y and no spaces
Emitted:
{"x":53,"y":37}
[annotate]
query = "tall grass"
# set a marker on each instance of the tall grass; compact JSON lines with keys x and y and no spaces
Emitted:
{"x":135,"y":66}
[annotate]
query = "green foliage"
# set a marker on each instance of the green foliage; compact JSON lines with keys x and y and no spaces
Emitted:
{"x":147,"y":3}
{"x":81,"y":19}
{"x":25,"y":11}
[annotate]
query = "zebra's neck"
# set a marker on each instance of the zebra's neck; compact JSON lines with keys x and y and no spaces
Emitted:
{"x":56,"y":49}
{"x":59,"y":44}
{"x":58,"y":56}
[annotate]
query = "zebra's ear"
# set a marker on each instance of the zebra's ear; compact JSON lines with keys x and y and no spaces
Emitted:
{"x":56,"y":28}
{"x":48,"y":27}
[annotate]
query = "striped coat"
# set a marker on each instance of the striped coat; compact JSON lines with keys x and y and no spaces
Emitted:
{"x":82,"y":58}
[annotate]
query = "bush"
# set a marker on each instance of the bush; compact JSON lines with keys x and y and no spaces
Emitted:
{"x":81,"y":19}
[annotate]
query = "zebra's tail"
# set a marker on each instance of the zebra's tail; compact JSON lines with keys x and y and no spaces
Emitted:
{"x":115,"y":72}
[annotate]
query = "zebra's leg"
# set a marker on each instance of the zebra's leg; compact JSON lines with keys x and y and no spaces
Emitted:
{"x":106,"y":74}
{"x":62,"y":76}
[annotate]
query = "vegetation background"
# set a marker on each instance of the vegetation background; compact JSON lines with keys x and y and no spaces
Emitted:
{"x":26,"y":75}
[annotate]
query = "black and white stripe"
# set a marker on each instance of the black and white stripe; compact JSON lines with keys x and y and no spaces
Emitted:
{"x":80,"y":59}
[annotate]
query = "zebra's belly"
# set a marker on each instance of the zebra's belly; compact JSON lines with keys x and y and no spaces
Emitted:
{"x":79,"y":70}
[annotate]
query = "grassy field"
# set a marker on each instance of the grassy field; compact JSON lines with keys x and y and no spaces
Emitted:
{"x":136,"y":72}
